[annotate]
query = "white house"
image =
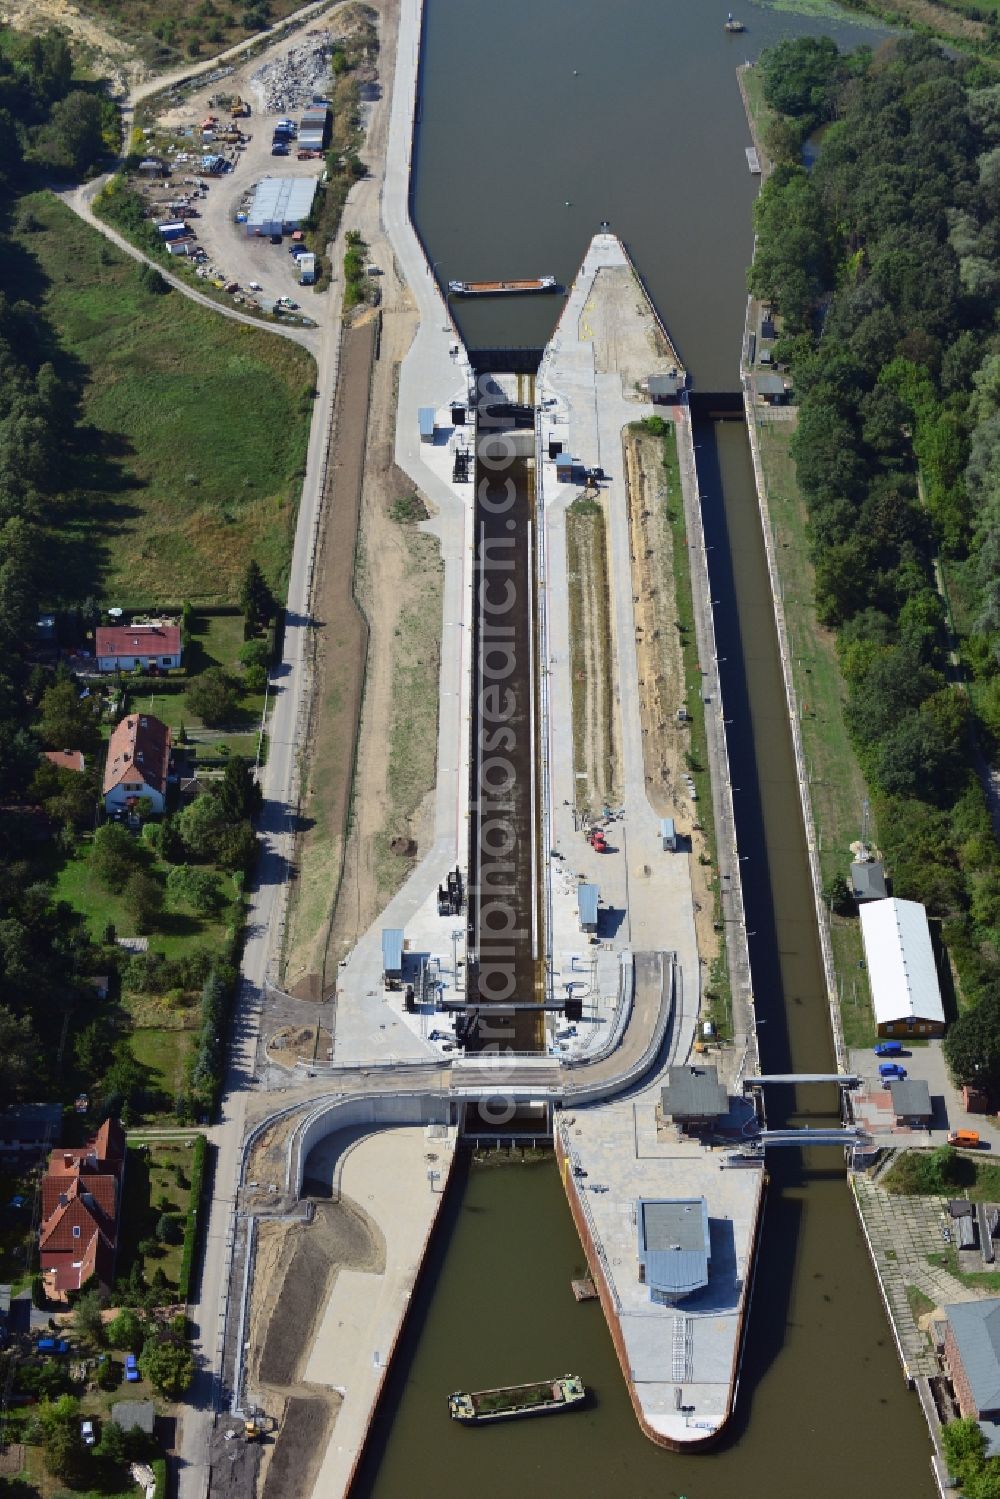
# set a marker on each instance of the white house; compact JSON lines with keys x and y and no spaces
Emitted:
{"x":138,"y":762}
{"x":124,"y":647}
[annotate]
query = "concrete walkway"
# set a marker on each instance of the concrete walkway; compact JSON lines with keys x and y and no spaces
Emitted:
{"x":589,"y":409}
{"x":434,"y":372}
{"x":902,"y":1232}
{"x":386,"y":1175}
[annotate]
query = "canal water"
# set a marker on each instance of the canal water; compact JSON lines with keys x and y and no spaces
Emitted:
{"x":649,"y":134}
{"x":626,"y":111}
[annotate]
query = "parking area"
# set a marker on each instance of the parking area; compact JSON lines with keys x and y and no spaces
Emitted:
{"x":922,"y":1060}
{"x":233,"y":120}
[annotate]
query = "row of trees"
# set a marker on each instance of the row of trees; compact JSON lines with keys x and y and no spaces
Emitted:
{"x":884,"y":261}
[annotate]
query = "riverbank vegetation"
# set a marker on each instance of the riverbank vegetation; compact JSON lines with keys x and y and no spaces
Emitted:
{"x":884,"y":262}
{"x":965,"y":1450}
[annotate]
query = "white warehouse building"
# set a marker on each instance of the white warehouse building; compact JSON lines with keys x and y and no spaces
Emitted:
{"x":280,"y":205}
{"x":902,"y":973}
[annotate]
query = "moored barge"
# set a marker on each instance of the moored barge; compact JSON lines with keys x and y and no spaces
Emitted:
{"x":513,"y":1401}
{"x":501,"y":288}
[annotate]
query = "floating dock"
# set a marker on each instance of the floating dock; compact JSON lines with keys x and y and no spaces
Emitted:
{"x":753,"y":160}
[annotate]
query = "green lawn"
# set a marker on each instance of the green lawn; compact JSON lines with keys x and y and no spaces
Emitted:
{"x":175,"y":931}
{"x":164,"y":1052}
{"x":836,"y":786}
{"x":149,"y":1181}
{"x":213,"y":640}
{"x":199,"y":424}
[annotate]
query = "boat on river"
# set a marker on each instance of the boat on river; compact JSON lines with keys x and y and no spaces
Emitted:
{"x":733,"y":25}
{"x":499,"y":288}
{"x":513,"y":1401}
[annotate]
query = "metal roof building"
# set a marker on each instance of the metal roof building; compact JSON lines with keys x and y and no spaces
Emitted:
{"x":129,"y":1414}
{"x":27,"y":1126}
{"x":392,"y":951}
{"x":901,"y":969}
{"x":674,"y":1246}
{"x":281,"y":204}
{"x":911,"y":1100}
{"x":974,"y":1328}
{"x":868,"y":881}
{"x":587,"y":897}
{"x":693,"y":1093}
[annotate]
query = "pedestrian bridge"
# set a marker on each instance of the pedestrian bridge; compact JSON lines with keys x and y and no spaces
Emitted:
{"x":842,"y":1079}
{"x":848,"y":1134}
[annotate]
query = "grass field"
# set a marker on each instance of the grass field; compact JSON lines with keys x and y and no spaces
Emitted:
{"x":151,"y":1187}
{"x":198,"y":425}
{"x":836,"y":786}
{"x":212,"y":640}
{"x":77,"y":884}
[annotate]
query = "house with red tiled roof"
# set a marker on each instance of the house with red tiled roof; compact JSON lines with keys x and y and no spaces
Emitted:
{"x":65,"y":759}
{"x":81,"y":1203}
{"x":138,"y":762}
{"x":155,"y":645}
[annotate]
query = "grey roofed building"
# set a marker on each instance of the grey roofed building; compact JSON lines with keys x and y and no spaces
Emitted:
{"x":693,"y":1093}
{"x":663,"y":387}
{"x":674,"y":1246}
{"x":587,"y":897}
{"x":30,"y":1125}
{"x":392,"y":951}
{"x":281,"y":203}
{"x":868,"y":881}
{"x":960,"y":1207}
{"x":975,"y":1332}
{"x":772,"y":387}
{"x":911,"y":1098}
{"x":131,"y":1413}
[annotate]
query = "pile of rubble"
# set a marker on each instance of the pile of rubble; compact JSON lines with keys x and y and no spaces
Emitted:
{"x":291,"y":81}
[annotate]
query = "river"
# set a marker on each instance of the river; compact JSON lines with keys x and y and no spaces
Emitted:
{"x":647,"y":132}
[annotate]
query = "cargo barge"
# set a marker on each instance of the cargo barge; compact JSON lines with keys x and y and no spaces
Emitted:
{"x":501,"y":288}
{"x":517,"y":1400}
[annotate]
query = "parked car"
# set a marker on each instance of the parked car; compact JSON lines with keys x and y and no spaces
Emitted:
{"x":131,"y":1368}
{"x":889,"y":1049}
{"x":891,"y":1071}
{"x":87,"y":1433}
{"x":53,"y":1345}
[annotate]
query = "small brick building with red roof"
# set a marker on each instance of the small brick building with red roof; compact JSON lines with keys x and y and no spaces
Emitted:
{"x":81,"y":1203}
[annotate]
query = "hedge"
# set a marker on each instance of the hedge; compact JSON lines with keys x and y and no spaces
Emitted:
{"x":159,"y":1467}
{"x":193,"y":1214}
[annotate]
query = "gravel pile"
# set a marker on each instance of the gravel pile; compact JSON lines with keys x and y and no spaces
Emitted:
{"x":290,"y":81}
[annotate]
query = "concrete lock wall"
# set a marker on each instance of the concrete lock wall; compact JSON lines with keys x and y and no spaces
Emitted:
{"x":381,"y":1111}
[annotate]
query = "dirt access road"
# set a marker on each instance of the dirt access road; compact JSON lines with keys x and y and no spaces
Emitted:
{"x":398,"y":585}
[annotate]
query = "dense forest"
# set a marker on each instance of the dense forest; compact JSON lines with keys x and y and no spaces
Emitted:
{"x":884,"y":263}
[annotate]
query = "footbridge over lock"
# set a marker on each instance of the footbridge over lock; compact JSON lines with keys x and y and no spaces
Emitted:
{"x":841,"y":1079}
